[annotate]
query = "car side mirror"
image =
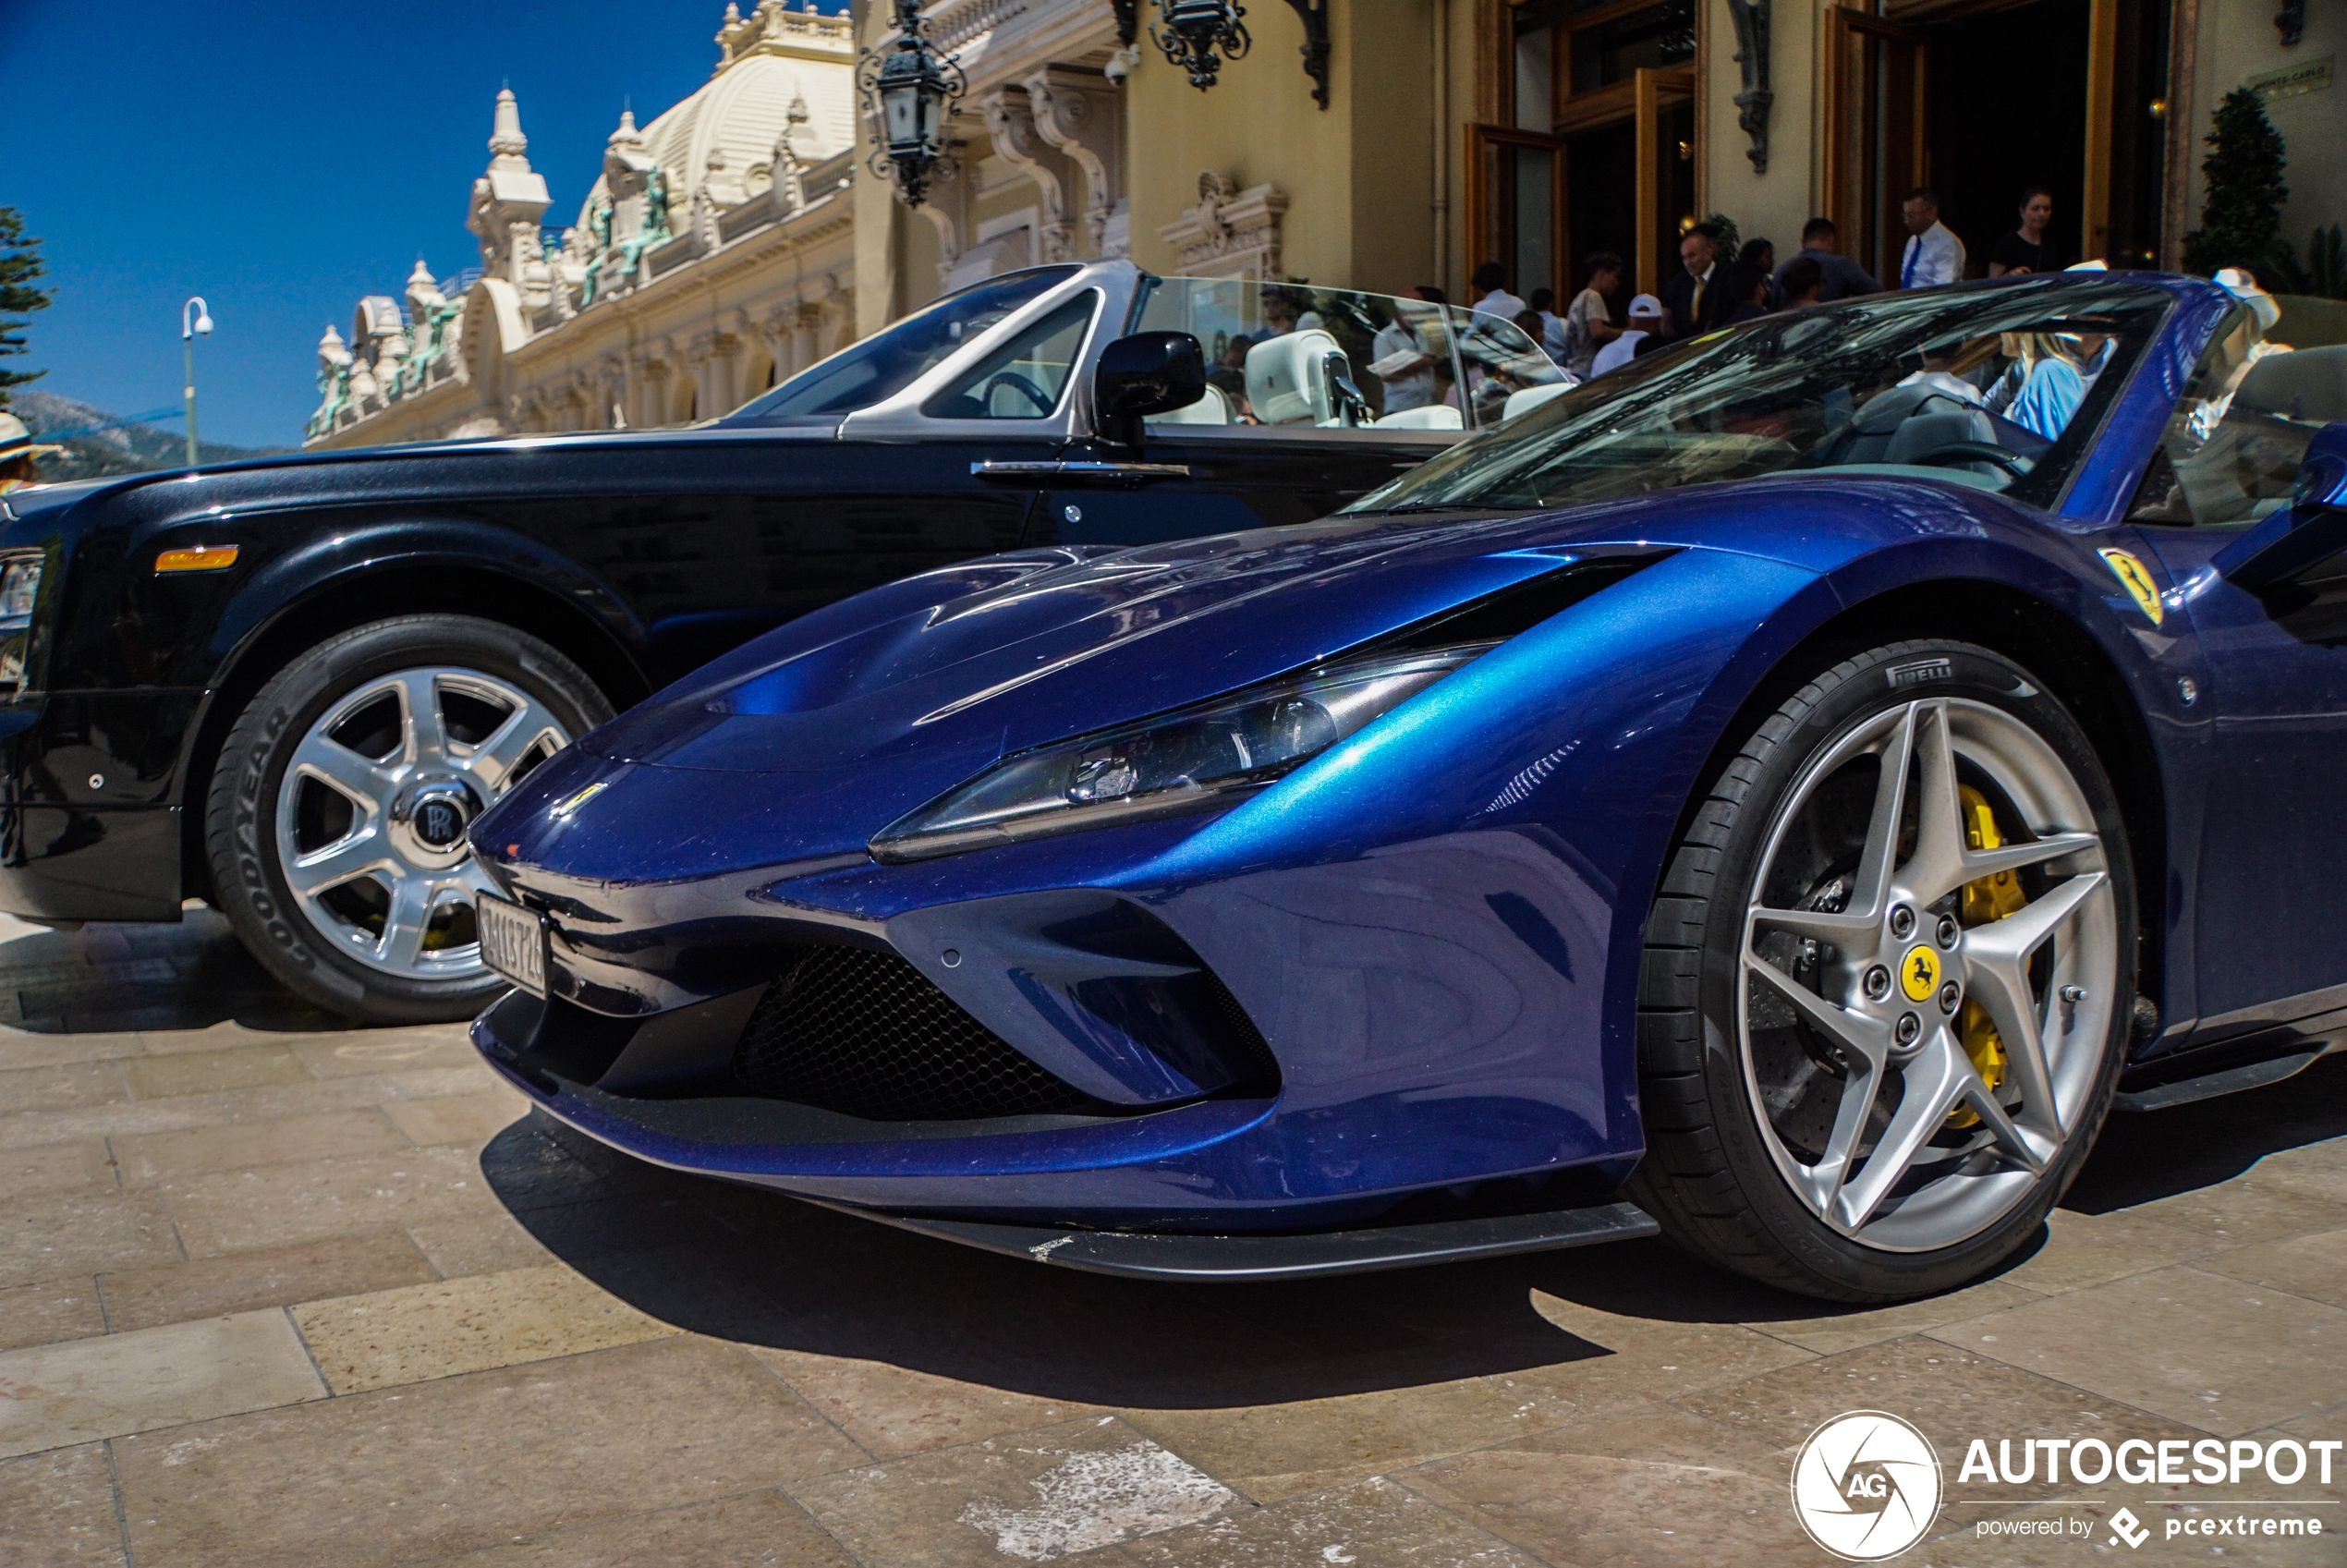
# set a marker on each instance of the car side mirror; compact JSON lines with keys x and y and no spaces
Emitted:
{"x":2311,"y":530}
{"x":1150,"y":373}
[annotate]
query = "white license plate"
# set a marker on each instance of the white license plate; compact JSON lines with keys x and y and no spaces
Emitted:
{"x":513,"y":942}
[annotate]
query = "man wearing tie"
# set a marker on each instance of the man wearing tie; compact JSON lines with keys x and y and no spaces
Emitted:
{"x":1697,"y":299}
{"x":1934,"y":254}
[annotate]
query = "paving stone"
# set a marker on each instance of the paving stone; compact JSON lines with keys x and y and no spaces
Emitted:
{"x":1271,"y":1451}
{"x":83,"y":1232}
{"x":248,"y":1145}
{"x":754,"y":1530}
{"x":440,"y":1083}
{"x":50,"y":1311}
{"x":21,"y":1048}
{"x":214,"y":1071}
{"x":2311,"y":1265}
{"x":325,"y":1197}
{"x":1848,"y":1330}
{"x":466,"y":1325}
{"x":1371,"y":1523}
{"x":82,"y":1163}
{"x":63,"y":1086}
{"x":466,"y":1462}
{"x":52,"y":1395}
{"x":1656,"y":1486}
{"x":385,"y":1052}
{"x":466,"y":1118}
{"x":1050,"y":1492}
{"x":893,"y":1410}
{"x":1607,"y":1361}
{"x":31,"y":1129}
{"x":277,"y":1276}
{"x":478,"y":1244}
{"x":2092,"y":1249}
{"x":2202,"y":1349}
{"x":2246,"y":1210}
{"x":56,"y":1510}
{"x":213,"y":1036}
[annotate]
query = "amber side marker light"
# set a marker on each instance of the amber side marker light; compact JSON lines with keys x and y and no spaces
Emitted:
{"x":202,"y":558}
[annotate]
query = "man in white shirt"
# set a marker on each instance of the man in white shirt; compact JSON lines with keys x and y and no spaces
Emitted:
{"x":1491,"y":281}
{"x":1934,"y":255}
{"x":1646,"y":320}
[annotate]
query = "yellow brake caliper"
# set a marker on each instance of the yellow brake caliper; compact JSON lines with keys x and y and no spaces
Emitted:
{"x":1991,"y":898}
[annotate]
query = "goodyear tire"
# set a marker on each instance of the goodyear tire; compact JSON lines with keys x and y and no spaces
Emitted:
{"x":337,"y":818}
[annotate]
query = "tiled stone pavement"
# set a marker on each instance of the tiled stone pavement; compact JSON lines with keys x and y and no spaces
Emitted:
{"x":273,"y":1291}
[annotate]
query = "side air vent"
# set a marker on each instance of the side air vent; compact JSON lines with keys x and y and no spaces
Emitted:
{"x":865,"y":1034}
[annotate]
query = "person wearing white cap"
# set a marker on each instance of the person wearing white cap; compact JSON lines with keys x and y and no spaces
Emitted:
{"x":18,"y":451}
{"x":1646,"y":320}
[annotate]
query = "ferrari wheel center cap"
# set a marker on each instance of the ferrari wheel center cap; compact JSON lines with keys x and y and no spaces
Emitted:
{"x":1919,"y":973}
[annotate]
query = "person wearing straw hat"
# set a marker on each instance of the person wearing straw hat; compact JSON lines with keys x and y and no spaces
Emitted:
{"x":17,"y":452}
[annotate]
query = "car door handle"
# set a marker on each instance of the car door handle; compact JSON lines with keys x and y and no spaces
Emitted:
{"x":1131,"y":471}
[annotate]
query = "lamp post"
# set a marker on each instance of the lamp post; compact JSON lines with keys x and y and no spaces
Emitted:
{"x":195,"y":319}
{"x":914,"y":88}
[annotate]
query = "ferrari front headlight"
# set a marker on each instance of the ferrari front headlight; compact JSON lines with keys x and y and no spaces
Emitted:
{"x":1199,"y":759}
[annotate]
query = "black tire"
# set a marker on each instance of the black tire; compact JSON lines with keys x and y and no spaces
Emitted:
{"x":241,"y":812}
{"x":1709,"y":1174}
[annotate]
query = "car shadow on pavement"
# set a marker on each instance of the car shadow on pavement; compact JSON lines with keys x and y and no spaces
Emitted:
{"x":768,"y":1270}
{"x":2157,"y":1154}
{"x":111,"y":979}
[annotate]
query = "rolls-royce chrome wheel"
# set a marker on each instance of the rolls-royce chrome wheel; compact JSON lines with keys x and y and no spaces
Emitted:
{"x":339,"y":812}
{"x":374,"y":803}
{"x":1908,"y":991}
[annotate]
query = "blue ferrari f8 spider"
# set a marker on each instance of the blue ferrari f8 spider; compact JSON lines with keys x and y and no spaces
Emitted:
{"x":1785,"y":794}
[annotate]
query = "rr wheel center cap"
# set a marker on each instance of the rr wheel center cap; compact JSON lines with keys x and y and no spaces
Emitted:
{"x":429,"y":820}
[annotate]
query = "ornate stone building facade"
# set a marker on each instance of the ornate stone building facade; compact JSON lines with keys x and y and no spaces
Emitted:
{"x":715,"y":257}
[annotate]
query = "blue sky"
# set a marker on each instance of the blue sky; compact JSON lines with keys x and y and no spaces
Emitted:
{"x":281,"y":160}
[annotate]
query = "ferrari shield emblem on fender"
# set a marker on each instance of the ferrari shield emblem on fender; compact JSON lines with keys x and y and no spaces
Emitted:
{"x":2136,"y":577}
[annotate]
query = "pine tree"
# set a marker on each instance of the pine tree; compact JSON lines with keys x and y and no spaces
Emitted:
{"x":2243,"y":215}
{"x":19,"y":265}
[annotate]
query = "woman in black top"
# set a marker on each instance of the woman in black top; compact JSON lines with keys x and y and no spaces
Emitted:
{"x":2026,"y":250}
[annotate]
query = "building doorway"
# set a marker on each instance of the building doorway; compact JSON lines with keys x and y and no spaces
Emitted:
{"x":1983,"y":99}
{"x":1597,"y":150}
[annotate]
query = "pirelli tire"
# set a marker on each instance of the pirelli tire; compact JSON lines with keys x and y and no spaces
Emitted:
{"x":334,"y":826}
{"x":1879,"y":1028}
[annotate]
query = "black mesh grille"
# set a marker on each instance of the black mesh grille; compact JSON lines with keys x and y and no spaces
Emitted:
{"x":866,"y":1034}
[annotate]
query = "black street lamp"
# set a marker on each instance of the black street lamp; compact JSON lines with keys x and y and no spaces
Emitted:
{"x":1199,"y":35}
{"x":915,"y":88}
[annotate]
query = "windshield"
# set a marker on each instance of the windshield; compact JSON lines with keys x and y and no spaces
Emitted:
{"x":886,"y":363}
{"x":2000,"y":386}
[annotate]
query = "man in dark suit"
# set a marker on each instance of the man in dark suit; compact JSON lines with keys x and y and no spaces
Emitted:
{"x":1697,"y":299}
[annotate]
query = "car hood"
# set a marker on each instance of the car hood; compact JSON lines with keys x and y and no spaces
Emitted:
{"x":809,"y":740}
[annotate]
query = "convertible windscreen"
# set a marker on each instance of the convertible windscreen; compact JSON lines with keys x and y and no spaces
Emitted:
{"x":886,"y":363}
{"x":1999,"y":387}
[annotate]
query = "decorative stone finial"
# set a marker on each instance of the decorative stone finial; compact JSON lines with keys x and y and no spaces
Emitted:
{"x":505,"y":139}
{"x":422,"y":274}
{"x":627,"y":131}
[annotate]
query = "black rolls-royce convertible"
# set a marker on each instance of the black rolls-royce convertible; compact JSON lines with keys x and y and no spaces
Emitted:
{"x":288,"y":686}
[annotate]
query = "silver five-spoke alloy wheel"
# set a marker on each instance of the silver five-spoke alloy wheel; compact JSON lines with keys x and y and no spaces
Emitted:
{"x":375,"y":803}
{"x":1923,"y":1032}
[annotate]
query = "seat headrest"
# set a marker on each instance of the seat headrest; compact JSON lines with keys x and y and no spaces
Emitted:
{"x":1286,"y":378}
{"x":2306,"y":385}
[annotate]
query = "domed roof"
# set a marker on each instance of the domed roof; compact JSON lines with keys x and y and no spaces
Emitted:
{"x":776,"y":60}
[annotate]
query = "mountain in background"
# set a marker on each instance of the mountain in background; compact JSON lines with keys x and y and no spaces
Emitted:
{"x":124,"y":449}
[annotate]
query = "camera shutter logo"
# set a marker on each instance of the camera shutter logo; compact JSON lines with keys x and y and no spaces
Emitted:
{"x":1865,"y":1485}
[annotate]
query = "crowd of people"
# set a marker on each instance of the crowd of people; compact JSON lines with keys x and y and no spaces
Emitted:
{"x":1713,"y":289}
